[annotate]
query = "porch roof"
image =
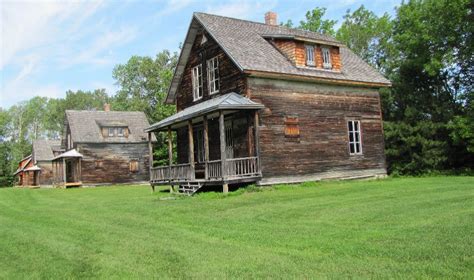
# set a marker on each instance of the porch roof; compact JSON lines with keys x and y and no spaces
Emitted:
{"x":69,"y":154}
{"x":229,"y":101}
{"x":33,"y":168}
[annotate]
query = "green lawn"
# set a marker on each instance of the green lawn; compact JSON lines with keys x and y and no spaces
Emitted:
{"x":393,"y":228}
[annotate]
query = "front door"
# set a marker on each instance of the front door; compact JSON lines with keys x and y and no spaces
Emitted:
{"x":69,"y":172}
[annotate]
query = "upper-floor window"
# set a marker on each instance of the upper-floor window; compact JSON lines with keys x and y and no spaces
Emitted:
{"x":355,"y":147}
{"x":326,"y":57}
{"x":115,"y":131}
{"x":197,"y":82}
{"x":310,"y":60}
{"x":213,"y":75}
{"x":120,"y":131}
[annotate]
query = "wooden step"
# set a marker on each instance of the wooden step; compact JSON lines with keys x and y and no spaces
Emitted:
{"x":189,"y":188}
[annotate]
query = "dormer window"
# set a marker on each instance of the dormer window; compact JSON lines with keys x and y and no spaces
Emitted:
{"x":120,"y":132}
{"x":326,"y":57}
{"x":310,"y":61}
{"x":197,"y":82}
{"x":114,"y":131}
{"x":213,"y":75}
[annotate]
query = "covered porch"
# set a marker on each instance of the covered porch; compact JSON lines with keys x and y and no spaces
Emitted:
{"x":67,"y":169}
{"x":217,"y":144}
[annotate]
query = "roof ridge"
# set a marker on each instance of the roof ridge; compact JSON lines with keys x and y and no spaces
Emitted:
{"x":264,"y":24}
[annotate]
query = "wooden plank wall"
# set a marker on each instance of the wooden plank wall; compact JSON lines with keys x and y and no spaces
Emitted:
{"x":116,"y":158}
{"x":231,"y":79}
{"x":323,"y":111}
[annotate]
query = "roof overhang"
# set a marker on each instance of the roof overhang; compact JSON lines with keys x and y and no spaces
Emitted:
{"x":33,"y":168}
{"x":305,"y":78}
{"x":230,"y":102}
{"x":69,"y":154}
{"x":303,"y":39}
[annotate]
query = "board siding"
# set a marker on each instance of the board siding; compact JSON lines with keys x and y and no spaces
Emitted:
{"x":323,"y":112}
{"x":116,"y":158}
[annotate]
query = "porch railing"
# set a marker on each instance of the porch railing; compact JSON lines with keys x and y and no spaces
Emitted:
{"x":234,"y":168}
{"x":242,"y":167}
{"x":173,"y":172}
{"x":214,"y":169}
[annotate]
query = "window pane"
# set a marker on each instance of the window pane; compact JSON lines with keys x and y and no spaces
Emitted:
{"x":351,"y":146}
{"x":357,"y":147}
{"x":350,"y":126}
{"x":351,"y":137}
{"x":356,"y":126}
{"x":356,"y":136}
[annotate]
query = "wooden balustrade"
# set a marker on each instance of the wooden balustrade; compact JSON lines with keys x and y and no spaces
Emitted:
{"x":234,"y":168}
{"x":214,"y":169}
{"x":173,"y":172}
{"x":242,"y":167}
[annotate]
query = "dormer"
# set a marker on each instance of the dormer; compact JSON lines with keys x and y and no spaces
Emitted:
{"x":309,"y":54}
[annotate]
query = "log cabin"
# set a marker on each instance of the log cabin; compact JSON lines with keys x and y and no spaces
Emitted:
{"x":262,"y":103}
{"x":97,"y":147}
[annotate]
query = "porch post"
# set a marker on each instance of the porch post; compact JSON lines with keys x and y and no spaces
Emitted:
{"x":222,"y":148}
{"x":191,"y":148}
{"x":170,"y":148}
{"x":206,"y":147}
{"x":256,"y":141}
{"x":80,"y":170}
{"x":64,"y":171}
{"x":150,"y":159}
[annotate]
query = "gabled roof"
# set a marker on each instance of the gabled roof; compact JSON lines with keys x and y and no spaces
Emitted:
{"x":230,"y":101}
{"x":86,"y":126}
{"x":245,"y":44}
{"x":43,"y":149}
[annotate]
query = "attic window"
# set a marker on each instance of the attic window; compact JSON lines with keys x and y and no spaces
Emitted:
{"x":326,"y":57}
{"x":115,"y":131}
{"x":111,"y":132}
{"x":197,"y":82}
{"x":120,"y":131}
{"x":310,"y":61}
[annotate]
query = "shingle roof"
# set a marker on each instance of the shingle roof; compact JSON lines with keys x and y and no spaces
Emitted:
{"x":86,"y":126}
{"x":69,"y":154}
{"x":229,"y":101}
{"x":244,"y":42}
{"x":43,"y":149}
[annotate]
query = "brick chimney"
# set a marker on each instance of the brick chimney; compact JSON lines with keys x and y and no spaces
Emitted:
{"x":271,"y":18}
{"x":106,"y":107}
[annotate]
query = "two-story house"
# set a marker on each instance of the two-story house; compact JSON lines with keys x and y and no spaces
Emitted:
{"x":259,"y":102}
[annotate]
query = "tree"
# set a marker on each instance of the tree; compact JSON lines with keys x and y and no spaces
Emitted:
{"x":144,"y":84}
{"x":315,"y":22}
{"x":368,"y":36}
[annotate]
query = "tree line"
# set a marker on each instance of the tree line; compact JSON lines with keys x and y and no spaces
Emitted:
{"x":426,"y":50}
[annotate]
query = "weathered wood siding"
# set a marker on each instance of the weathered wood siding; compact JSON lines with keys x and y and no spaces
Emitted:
{"x":46,"y":174}
{"x":323,"y":112}
{"x":230,"y":78}
{"x":116,"y":159}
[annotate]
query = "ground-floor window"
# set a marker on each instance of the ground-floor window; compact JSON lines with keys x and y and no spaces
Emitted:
{"x":355,"y":147}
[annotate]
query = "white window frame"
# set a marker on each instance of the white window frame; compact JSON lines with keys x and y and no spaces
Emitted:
{"x":120,"y":131}
{"x":111,"y":129}
{"x":326,"y":54}
{"x":213,"y":75}
{"x":197,"y":82}
{"x":356,"y":133}
{"x":310,"y":58}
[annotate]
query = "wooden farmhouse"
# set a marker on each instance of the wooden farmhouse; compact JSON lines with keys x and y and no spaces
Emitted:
{"x":97,"y":147}
{"x":268,"y":104}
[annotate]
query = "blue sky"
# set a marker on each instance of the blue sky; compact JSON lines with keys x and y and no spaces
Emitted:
{"x":48,"y":47}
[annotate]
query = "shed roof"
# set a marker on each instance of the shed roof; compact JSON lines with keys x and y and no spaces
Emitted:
{"x":43,"y":149}
{"x":69,"y":154}
{"x":246,"y":45}
{"x":86,"y":126}
{"x":229,"y":101}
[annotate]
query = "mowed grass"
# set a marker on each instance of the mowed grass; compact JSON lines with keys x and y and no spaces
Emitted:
{"x":392,"y":228}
